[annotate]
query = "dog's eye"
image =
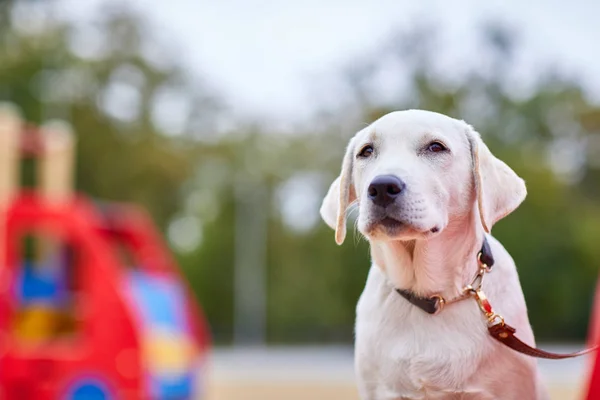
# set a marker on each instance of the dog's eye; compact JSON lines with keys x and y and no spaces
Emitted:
{"x":366,"y":152}
{"x":436,"y":147}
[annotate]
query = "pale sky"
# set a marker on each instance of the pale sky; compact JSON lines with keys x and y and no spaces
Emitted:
{"x":270,"y":58}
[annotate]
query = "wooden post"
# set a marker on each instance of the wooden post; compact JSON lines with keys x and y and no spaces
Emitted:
{"x":10,"y":130}
{"x":55,"y":181}
{"x":55,"y":165}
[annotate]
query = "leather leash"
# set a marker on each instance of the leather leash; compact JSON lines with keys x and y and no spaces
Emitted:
{"x":497,"y":328}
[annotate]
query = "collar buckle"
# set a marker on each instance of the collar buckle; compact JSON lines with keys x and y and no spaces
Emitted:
{"x":439,"y":305}
{"x":482,"y":264}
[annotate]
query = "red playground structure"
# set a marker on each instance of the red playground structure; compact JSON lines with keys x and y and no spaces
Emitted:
{"x":92,"y":306}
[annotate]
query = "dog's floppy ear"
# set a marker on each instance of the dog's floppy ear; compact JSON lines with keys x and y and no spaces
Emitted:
{"x":499,"y":189}
{"x":341,"y":193}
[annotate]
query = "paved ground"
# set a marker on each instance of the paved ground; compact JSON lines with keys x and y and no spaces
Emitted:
{"x":325,"y":373}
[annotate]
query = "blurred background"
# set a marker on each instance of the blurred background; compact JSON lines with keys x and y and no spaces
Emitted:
{"x":227,"y":121}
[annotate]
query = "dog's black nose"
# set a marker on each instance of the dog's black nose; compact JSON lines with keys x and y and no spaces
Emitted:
{"x":384,"y":189}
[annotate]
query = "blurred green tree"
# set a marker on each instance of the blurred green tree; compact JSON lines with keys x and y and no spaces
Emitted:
{"x":102,"y":80}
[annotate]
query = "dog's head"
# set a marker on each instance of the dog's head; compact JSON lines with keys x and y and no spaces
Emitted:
{"x":413,"y":172}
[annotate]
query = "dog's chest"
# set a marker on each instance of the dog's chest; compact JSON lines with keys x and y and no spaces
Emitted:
{"x":401,"y":351}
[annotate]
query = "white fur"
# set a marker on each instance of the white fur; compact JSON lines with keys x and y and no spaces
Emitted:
{"x":451,"y":200}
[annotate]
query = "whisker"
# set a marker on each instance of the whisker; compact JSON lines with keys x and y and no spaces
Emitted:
{"x":357,"y":235}
{"x":352,"y":212}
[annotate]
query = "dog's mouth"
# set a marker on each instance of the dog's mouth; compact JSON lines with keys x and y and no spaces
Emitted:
{"x":387,"y":226}
{"x":392,"y":228}
{"x":390,"y":223}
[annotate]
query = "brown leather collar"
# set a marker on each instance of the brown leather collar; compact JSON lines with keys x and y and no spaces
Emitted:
{"x":497,"y":328}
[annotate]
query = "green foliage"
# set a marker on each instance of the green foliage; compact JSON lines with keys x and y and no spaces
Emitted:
{"x":312,"y":284}
{"x":122,"y":159}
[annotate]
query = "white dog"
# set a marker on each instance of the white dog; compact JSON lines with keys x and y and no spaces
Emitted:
{"x":428,"y":192}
